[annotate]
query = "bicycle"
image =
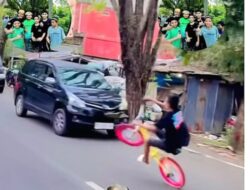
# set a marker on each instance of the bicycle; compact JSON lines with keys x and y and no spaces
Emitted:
{"x":169,"y":168}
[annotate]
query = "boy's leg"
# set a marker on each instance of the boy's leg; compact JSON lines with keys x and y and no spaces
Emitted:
{"x":146,"y":152}
{"x":158,"y":143}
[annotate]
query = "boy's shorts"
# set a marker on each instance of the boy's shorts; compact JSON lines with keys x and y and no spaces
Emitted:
{"x":158,"y":143}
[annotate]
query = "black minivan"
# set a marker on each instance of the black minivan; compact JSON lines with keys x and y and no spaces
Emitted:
{"x":67,"y":94}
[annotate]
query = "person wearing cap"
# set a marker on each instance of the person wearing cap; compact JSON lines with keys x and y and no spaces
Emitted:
{"x":56,"y":35}
{"x":45,"y":23}
{"x":28,"y":23}
{"x":20,"y":17}
{"x":209,"y":32}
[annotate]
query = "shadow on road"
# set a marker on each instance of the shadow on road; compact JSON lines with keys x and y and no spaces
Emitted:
{"x":76,"y":132}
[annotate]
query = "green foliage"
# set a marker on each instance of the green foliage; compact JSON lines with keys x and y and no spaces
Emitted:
{"x":170,"y":5}
{"x":96,"y":5}
{"x":218,"y":13}
{"x":35,"y":6}
{"x":64,"y":15}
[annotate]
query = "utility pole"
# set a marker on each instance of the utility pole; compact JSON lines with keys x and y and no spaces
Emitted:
{"x":50,"y":8}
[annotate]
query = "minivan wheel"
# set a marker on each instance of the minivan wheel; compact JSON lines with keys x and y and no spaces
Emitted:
{"x":61,"y":124}
{"x":20,"y":109}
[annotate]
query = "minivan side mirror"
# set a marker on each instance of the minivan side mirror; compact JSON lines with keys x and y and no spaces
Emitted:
{"x":50,"y":80}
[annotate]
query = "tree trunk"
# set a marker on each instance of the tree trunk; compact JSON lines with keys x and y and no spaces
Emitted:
{"x":136,"y":27}
{"x":238,"y":134}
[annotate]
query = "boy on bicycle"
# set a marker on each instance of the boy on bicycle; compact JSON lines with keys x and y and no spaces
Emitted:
{"x":171,"y":129}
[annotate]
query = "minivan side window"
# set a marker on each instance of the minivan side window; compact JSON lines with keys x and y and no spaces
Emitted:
{"x":37,"y":70}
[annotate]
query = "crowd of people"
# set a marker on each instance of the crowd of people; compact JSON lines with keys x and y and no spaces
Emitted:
{"x":34,"y":33}
{"x":190,"y":31}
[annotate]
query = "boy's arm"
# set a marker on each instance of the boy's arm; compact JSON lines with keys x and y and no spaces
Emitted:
{"x":176,"y":38}
{"x":161,"y":104}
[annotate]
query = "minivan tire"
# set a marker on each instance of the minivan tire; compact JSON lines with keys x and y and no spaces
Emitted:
{"x":21,"y":111}
{"x":61,"y":122}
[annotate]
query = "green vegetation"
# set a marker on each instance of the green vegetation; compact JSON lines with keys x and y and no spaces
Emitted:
{"x":218,"y":13}
{"x":64,"y":15}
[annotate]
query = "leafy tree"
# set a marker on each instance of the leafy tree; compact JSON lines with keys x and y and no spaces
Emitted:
{"x":218,"y":13}
{"x":35,"y":6}
{"x":64,"y":14}
{"x":170,"y":5}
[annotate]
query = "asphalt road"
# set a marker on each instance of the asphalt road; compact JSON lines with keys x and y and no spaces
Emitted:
{"x":32,"y":157}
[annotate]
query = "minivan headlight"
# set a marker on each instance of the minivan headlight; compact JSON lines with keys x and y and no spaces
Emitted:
{"x":74,"y":101}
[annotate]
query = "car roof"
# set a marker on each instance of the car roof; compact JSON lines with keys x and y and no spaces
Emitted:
{"x":57,"y":63}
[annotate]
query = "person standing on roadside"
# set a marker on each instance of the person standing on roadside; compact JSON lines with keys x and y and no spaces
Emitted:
{"x":38,"y":35}
{"x":16,"y":37}
{"x":191,"y":36}
{"x":183,"y":22}
{"x":45,"y":23}
{"x":209,"y":32}
{"x":56,"y":35}
{"x":20,"y":17}
{"x":28,"y":23}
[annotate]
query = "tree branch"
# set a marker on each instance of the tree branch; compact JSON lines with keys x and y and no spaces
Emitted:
{"x":151,"y":25}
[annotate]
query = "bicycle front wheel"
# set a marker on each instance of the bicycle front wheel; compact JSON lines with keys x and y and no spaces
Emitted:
{"x":172,"y":172}
{"x":126,"y":134}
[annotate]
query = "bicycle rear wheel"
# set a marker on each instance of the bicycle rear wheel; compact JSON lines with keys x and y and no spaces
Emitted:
{"x":172,"y":172}
{"x":126,"y":134}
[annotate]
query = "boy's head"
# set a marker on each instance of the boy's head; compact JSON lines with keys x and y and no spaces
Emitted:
{"x":28,"y":15}
{"x":198,"y":14}
{"x":177,"y":12}
{"x":172,"y":102}
{"x":185,"y":14}
{"x":221,"y":25}
{"x":191,"y":18}
{"x":174,"y":22}
{"x":208,"y":22}
{"x":17,"y":24}
{"x":54,"y":22}
{"x":21,"y":14}
{"x":45,"y":15}
{"x":37,"y":20}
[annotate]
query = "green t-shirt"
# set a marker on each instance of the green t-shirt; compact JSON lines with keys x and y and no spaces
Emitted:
{"x":19,"y":43}
{"x":28,"y":26}
{"x":174,"y":32}
{"x":183,"y":22}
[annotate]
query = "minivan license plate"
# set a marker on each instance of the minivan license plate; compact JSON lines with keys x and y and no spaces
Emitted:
{"x":104,"y":125}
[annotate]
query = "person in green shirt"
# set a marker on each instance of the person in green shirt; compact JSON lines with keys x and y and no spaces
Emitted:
{"x":16,"y":37}
{"x":174,"y":35}
{"x":28,"y":23}
{"x":184,"y":21}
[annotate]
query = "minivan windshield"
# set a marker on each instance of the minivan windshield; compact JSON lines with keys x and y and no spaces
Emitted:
{"x":82,"y":78}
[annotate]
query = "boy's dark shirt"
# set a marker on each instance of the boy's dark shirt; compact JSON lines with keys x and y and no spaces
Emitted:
{"x":37,"y":31}
{"x":46,"y":24}
{"x":11,"y":22}
{"x":191,"y":30}
{"x":202,"y":20}
{"x":173,"y":137}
